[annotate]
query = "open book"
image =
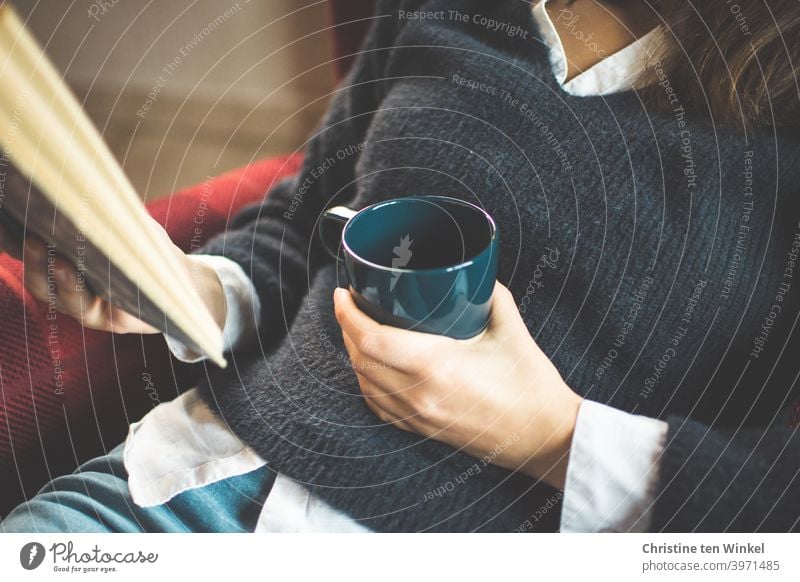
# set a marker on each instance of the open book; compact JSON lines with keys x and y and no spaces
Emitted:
{"x":76,"y":197}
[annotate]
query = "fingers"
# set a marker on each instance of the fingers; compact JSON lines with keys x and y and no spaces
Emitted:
{"x":373,"y":370}
{"x":504,"y":316}
{"x":394,"y":347}
{"x":354,"y":321}
{"x":119,"y":321}
{"x":406,"y":347}
{"x":54,"y":281}
{"x":383,"y":407}
{"x":399,"y":397}
{"x":72,"y":297}
{"x":34,"y":265}
{"x":95,"y":312}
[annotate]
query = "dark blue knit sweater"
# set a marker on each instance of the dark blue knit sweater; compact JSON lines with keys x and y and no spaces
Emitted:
{"x":653,"y":256}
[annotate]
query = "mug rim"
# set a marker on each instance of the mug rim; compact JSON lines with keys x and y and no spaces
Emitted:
{"x":457,"y":266}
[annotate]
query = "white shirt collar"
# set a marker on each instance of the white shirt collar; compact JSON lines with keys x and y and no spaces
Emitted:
{"x":617,"y":72}
{"x":182,"y":445}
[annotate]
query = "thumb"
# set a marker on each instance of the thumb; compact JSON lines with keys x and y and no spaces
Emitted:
{"x":504,"y":314}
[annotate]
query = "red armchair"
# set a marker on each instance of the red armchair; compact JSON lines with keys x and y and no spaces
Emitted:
{"x":68,"y":394}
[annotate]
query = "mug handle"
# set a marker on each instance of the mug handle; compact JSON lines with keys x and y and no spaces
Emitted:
{"x":331,"y":226}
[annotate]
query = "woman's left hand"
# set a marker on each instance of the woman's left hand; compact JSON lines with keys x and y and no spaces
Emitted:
{"x":496,"y":396}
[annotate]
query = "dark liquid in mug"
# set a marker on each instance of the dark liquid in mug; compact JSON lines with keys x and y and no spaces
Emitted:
{"x":422,"y":234}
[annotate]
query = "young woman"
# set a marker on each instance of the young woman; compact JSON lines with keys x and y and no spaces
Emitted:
{"x":640,"y":158}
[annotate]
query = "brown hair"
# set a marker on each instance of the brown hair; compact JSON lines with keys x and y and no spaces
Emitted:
{"x":734,"y":62}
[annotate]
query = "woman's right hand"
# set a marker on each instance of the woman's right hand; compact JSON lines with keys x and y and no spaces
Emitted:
{"x":52,"y":278}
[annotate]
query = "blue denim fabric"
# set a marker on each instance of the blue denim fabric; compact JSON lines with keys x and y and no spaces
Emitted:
{"x":96,"y":499}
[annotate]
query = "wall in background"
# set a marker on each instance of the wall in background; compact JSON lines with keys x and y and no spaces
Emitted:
{"x":186,"y":89}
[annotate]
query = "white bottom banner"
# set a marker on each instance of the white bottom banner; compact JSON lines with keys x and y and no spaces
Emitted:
{"x":397,"y":557}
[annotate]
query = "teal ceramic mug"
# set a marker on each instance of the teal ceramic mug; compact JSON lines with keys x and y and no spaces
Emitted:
{"x":425,"y":263}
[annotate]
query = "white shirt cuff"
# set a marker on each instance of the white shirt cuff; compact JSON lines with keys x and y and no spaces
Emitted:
{"x":242,"y":309}
{"x":613,"y":470}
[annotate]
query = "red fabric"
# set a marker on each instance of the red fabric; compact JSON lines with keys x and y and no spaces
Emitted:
{"x":193,"y":215}
{"x":68,"y":394}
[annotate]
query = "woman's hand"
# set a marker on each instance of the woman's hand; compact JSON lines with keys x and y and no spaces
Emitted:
{"x":50,"y":277}
{"x":495,"y":395}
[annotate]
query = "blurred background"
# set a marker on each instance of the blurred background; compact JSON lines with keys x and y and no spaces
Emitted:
{"x":182,"y":90}
{"x":187,"y":89}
